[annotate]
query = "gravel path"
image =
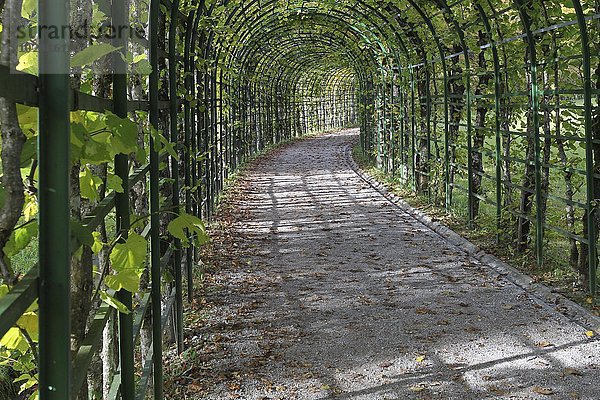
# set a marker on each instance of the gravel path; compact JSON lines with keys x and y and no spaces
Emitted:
{"x":339,"y":294}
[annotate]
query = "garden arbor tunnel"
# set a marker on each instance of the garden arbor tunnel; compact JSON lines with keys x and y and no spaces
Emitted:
{"x":488,"y":108}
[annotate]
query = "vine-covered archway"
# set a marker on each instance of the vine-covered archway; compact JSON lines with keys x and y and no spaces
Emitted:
{"x":123,"y":121}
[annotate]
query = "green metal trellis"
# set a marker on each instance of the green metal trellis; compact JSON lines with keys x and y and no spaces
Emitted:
{"x":273,"y":80}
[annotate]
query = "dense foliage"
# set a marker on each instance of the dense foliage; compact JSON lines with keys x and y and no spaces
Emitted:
{"x":476,"y":105}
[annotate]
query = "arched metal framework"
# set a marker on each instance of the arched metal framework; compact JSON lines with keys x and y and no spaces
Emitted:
{"x":486,"y":107}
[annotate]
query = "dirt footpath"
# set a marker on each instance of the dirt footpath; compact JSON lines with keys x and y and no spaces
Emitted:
{"x":333,"y":292}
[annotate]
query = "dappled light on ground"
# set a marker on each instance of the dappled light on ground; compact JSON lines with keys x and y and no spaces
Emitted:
{"x":328,"y":290}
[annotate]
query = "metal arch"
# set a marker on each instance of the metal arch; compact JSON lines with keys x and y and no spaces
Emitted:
{"x":497,"y":93}
{"x":535,"y":107}
{"x":447,"y":12}
{"x":377,"y":27}
{"x":589,"y":146}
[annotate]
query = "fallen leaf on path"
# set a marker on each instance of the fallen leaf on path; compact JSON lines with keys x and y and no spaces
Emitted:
{"x":573,"y":371}
{"x":498,"y":391}
{"x":424,"y":310}
{"x":543,"y":343}
{"x":590,"y":334}
{"x":544,"y":391}
{"x":420,"y":358}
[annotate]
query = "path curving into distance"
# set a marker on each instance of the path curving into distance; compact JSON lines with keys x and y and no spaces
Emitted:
{"x":339,"y":294}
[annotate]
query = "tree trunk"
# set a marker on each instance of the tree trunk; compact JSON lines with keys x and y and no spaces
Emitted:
{"x":13,"y":140}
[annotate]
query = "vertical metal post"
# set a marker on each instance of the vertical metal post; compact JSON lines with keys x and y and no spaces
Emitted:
{"x":497,"y":94}
{"x":392,"y":123}
{"x":187,"y":120}
{"x":589,"y":147}
{"x":54,"y":233}
{"x":175,"y":170}
{"x":401,"y":119}
{"x":126,"y":346}
{"x":535,"y":108}
{"x":155,"y":273}
{"x":413,"y":128}
{"x":428,"y":107}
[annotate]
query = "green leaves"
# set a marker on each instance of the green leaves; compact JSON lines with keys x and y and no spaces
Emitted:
{"x":20,"y":238}
{"x":161,"y":143}
{"x":14,"y":338}
{"x":89,"y":184}
{"x":91,"y":54}
{"x":124,"y":134}
{"x":128,"y":260}
{"x":113,"y":302}
{"x":28,"y":63}
{"x":194,"y":227}
{"x":114,"y":182}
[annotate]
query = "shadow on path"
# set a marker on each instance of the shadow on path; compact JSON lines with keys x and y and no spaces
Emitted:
{"x":340,"y":295}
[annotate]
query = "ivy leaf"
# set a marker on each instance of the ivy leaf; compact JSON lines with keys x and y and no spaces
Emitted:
{"x":114,"y":182}
{"x":20,"y":238}
{"x":28,"y":8}
{"x":78,"y":140}
{"x":143,"y":67}
{"x":29,"y":151}
{"x":89,"y":184}
{"x":124,"y":134}
{"x":97,"y":245}
{"x":29,"y":322}
{"x":170,"y":148}
{"x":129,"y":255}
{"x":81,"y":233}
{"x":113,"y":302}
{"x":193,"y":225}
{"x":139,"y":58}
{"x":28,"y":62}
{"x":128,"y":279}
{"x":30,"y":208}
{"x":91,"y":54}
{"x":28,"y":117}
{"x":13,"y":340}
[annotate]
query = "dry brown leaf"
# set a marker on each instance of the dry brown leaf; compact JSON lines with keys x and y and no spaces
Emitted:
{"x":544,"y":391}
{"x":498,"y":391}
{"x":573,"y":371}
{"x":424,"y":310}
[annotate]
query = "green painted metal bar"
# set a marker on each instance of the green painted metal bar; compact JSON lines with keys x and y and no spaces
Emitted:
{"x":451,"y":20}
{"x":187,"y":159}
{"x":413,"y":130}
{"x":535,"y":109}
{"x":589,"y":149}
{"x":173,"y":119}
{"x":155,"y":273}
{"x":120,"y":19}
{"x":402,"y":121}
{"x":54,"y":162}
{"x":497,"y":124}
{"x":427,"y":170}
{"x":440,"y":47}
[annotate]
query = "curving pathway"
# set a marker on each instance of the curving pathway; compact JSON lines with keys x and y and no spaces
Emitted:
{"x":336,"y":293}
